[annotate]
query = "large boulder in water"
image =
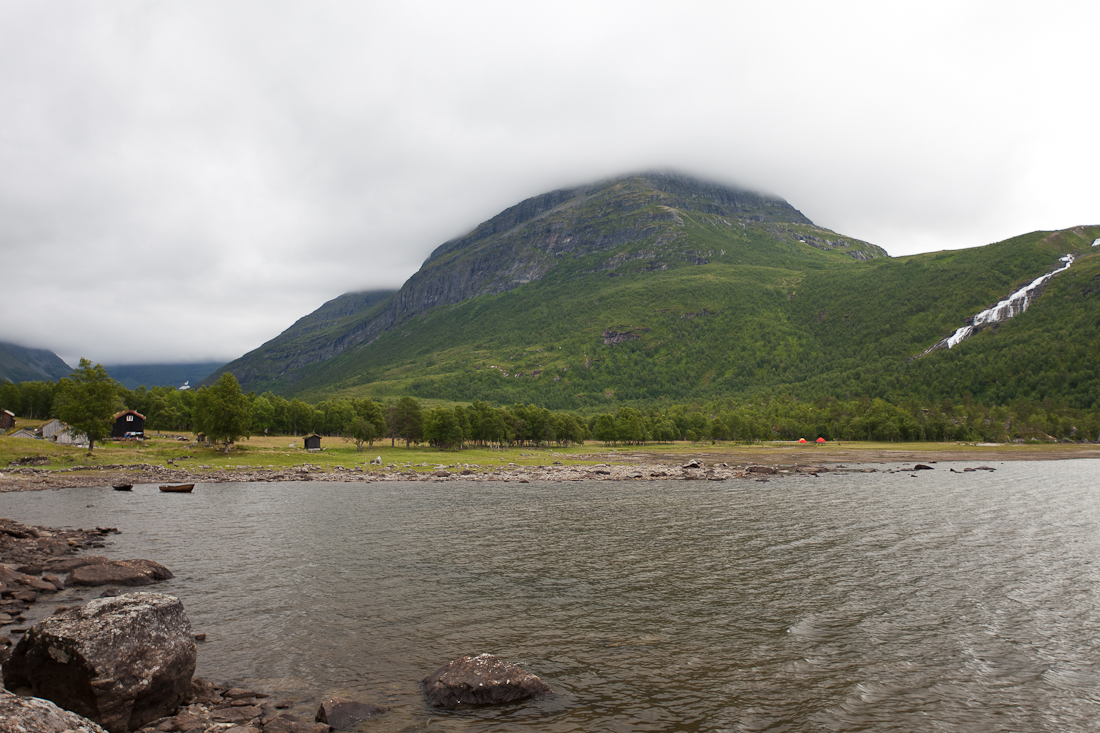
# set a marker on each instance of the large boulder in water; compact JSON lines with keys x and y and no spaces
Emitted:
{"x":32,"y":715}
{"x":121,"y":662}
{"x":480,"y":680}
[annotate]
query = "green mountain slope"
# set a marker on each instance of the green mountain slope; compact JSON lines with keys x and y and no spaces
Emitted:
{"x":726,"y":330}
{"x":627,"y":227}
{"x":20,"y":364}
{"x":657,"y":289}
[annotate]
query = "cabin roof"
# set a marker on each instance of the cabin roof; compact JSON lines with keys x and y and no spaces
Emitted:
{"x":117,"y":415}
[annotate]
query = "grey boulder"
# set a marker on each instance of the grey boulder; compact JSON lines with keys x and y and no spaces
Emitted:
{"x":32,"y":715}
{"x":121,"y":662}
{"x":480,"y":680}
{"x":342,"y":714}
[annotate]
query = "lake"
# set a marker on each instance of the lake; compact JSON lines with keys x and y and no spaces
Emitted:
{"x":849,"y":601}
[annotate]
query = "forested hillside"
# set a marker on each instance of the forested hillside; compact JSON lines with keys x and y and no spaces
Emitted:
{"x":730,"y":330}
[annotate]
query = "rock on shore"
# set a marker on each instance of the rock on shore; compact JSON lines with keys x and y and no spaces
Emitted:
{"x":32,"y":715}
{"x":33,"y":558}
{"x":121,"y":662}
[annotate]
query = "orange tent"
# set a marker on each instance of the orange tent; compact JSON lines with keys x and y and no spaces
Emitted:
{"x":820,"y":440}
{"x":801,"y":440}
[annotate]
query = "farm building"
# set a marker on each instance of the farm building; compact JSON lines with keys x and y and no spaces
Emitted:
{"x":52,"y":428}
{"x":313,"y":442}
{"x":66,"y":437}
{"x":7,"y":419}
{"x":23,"y":433}
{"x":128,"y":424}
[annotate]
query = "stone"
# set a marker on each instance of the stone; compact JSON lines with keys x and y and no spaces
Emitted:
{"x":68,"y":564}
{"x":33,"y":715}
{"x":121,"y":662}
{"x":922,"y":467}
{"x":203,"y":692}
{"x":178,"y":723}
{"x":764,"y":470}
{"x":240,"y":714}
{"x":8,"y":576}
{"x":38,"y":584}
{"x":119,"y":572}
{"x":286,"y":724}
{"x":342,"y":714}
{"x":480,"y":680}
{"x":53,"y":545}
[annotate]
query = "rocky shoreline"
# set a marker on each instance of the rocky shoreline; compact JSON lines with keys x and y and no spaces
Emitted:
{"x":31,"y":560}
{"x":30,"y":478}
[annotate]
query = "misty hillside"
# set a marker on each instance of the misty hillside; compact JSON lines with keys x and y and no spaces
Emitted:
{"x":132,"y":376}
{"x":20,"y":364}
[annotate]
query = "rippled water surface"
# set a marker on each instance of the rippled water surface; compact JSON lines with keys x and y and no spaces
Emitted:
{"x":927,"y":602}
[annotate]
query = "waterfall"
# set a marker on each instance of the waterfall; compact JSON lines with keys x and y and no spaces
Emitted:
{"x":1013,"y":305}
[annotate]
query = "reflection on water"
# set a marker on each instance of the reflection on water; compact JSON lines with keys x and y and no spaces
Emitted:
{"x":843,"y":602}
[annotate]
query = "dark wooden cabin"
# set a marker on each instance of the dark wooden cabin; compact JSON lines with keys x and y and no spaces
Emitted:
{"x":313,"y":442}
{"x":128,"y":424}
{"x":7,"y":419}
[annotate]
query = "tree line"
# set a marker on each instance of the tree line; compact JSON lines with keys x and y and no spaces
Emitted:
{"x":225,"y":414}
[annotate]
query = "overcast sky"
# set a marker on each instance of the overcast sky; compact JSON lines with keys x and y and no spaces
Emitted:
{"x":182,"y":181}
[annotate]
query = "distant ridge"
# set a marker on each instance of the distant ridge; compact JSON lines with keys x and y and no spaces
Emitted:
{"x":132,"y":376}
{"x":20,"y":364}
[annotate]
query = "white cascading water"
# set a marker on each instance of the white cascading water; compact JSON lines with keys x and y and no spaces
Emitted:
{"x":1013,"y":305}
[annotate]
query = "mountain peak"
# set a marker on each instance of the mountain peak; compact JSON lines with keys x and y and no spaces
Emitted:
{"x":642,"y":222}
{"x":630,"y":192}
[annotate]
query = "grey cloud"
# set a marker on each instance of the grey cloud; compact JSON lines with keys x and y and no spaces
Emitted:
{"x":240,"y":164}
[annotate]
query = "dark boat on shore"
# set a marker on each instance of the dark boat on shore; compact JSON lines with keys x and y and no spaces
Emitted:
{"x":123,"y":487}
{"x":178,"y":489}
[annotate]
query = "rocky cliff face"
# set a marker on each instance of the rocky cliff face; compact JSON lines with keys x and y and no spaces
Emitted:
{"x":527,"y":242}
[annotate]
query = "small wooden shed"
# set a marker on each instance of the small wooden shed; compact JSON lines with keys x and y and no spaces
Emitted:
{"x":313,"y":442}
{"x":7,"y":420}
{"x":67,"y":437}
{"x":128,"y":424}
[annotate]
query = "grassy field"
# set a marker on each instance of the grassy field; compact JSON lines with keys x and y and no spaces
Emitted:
{"x":283,"y":452}
{"x":275,"y":452}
